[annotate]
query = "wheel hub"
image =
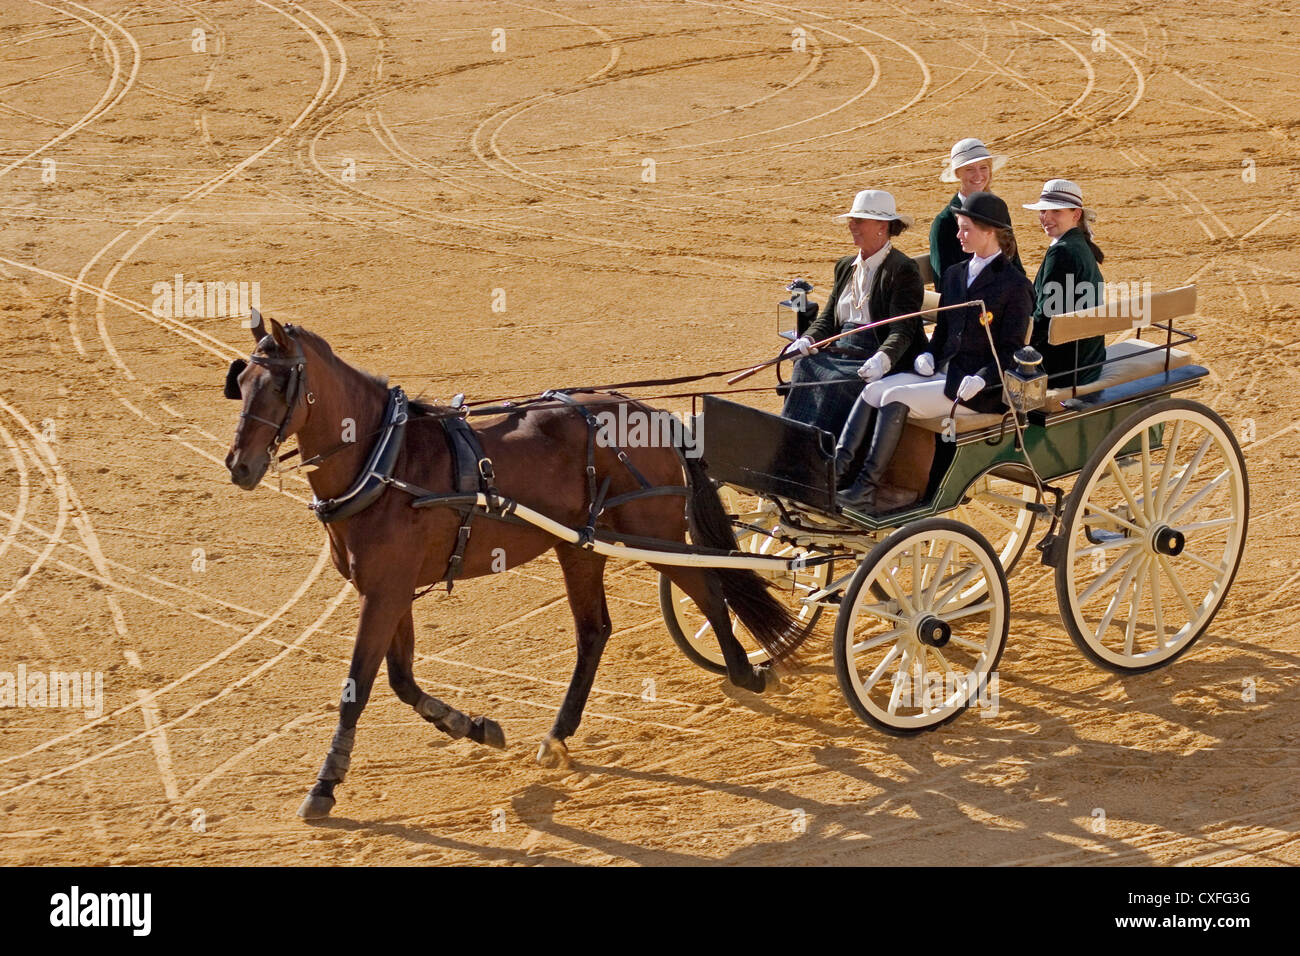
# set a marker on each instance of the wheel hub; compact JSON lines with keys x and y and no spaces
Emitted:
{"x":1166,"y":540}
{"x":932,"y":631}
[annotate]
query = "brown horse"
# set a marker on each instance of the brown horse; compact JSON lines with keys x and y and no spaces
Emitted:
{"x":293,"y":384}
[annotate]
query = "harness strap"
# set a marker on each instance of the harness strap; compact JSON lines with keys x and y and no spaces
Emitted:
{"x":472,"y":471}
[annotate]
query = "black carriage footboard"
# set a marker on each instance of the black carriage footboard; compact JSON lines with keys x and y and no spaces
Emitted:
{"x":768,"y":454}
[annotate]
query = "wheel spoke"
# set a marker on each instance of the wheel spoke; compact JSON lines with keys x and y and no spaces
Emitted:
{"x":943,"y":661}
{"x":967,"y":643}
{"x":1171,"y":452}
{"x":1113,"y":605}
{"x":1178,"y":587}
{"x":903,"y":599}
{"x":1130,"y":626}
{"x":1194,"y":499}
{"x":1109,"y":573}
{"x":1216,"y":569}
{"x":1157,"y":610}
{"x":958,"y":584}
{"x":1191,"y":529}
{"x":864,"y":646}
{"x":1134,"y":508}
{"x":967,"y":611}
{"x":883,"y":666}
{"x":703,"y":630}
{"x":1009,"y":525}
{"x":938,"y":574}
{"x":1188,"y":471}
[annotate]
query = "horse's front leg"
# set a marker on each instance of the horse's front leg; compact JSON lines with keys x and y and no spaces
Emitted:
{"x":380,"y":614}
{"x":401,"y":675}
{"x":584,"y":574}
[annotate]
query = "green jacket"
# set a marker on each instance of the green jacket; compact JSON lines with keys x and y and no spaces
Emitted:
{"x":1067,"y":281}
{"x":945,"y":250}
{"x":896,"y":289}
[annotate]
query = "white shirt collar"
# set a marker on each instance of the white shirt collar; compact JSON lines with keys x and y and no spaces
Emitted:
{"x":976,"y":265}
{"x":875,"y":259}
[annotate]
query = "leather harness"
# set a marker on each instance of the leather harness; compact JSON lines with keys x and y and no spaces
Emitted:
{"x":472,"y":472}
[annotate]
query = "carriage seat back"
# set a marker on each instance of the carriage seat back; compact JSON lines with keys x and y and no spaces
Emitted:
{"x":1130,"y":359}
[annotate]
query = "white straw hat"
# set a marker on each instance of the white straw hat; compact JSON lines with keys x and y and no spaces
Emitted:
{"x":875,"y":204}
{"x":964,"y":153}
{"x":1062,"y":194}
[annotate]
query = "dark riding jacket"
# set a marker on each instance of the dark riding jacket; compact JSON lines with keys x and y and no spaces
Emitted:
{"x":962,"y":342}
{"x":896,"y":289}
{"x":945,"y":250}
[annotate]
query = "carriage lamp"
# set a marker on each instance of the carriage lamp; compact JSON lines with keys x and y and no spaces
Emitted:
{"x":1027,"y":383}
{"x":798,"y":301}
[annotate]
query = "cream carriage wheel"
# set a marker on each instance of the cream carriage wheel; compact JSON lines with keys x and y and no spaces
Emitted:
{"x":919,"y":657}
{"x":998,"y":506}
{"x":1152,"y":536}
{"x":691,"y":630}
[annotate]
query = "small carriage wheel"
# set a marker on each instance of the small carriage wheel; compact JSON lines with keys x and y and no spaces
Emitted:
{"x":691,"y":630}
{"x":1152,"y":536}
{"x":916,"y":660}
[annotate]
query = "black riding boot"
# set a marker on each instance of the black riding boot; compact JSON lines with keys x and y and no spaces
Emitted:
{"x":884,"y":442}
{"x":856,"y":429}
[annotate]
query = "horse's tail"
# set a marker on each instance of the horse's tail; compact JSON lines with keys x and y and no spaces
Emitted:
{"x":773,"y":625}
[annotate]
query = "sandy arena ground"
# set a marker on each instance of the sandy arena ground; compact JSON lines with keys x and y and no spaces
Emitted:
{"x":379,"y":168}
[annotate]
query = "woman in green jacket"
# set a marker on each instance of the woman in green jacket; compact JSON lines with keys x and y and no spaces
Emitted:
{"x":1068,"y":280}
{"x":972,"y":165}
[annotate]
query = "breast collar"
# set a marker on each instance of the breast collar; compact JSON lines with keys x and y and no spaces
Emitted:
{"x":377,"y":472}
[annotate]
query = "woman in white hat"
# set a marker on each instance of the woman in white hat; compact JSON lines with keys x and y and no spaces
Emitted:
{"x":877,"y":283}
{"x":972,"y":165}
{"x":959,"y":364}
{"x":1068,"y":280}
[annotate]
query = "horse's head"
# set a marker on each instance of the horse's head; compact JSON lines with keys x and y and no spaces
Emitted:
{"x":272,"y":384}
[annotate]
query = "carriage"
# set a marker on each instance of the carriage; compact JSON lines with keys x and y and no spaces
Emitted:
{"x":1144,"y":545}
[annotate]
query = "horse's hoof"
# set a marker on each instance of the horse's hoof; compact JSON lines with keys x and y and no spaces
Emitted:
{"x":553,"y":754}
{"x":485,"y":730}
{"x":317,"y":806}
{"x":771,"y":681}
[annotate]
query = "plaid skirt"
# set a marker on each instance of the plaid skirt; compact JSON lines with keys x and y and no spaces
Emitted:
{"x":830,"y":386}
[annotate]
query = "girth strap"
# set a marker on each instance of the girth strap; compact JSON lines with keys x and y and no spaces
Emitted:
{"x":471,"y":471}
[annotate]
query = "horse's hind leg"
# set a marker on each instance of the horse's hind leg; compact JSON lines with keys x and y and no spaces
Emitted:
{"x":401,"y":675}
{"x":584,"y":574}
{"x":703,"y":586}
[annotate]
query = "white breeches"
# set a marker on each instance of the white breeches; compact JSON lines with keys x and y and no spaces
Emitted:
{"x":922,"y":394}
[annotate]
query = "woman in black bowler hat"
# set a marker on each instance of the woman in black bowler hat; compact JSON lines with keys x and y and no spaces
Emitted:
{"x":959,"y":365}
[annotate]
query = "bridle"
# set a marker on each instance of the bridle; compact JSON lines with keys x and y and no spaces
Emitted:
{"x":295,"y":388}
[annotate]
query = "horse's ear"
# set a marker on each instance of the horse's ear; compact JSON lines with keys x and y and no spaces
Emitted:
{"x":255,"y":323}
{"x":278,"y":333}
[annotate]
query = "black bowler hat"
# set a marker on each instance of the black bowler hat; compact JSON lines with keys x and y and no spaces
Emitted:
{"x":987,"y":209}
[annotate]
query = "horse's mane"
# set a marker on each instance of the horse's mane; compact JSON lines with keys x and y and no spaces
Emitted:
{"x":416,"y":408}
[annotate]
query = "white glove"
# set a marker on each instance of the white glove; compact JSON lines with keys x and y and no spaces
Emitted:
{"x":970,"y":386}
{"x":875,"y":367}
{"x":924,"y":364}
{"x":804,"y":345}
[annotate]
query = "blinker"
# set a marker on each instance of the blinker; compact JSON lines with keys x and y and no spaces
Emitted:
{"x":232,"y":379}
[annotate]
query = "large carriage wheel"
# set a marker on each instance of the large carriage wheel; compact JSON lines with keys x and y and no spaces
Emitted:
{"x":687,"y":625}
{"x":997,"y":505}
{"x":921,"y":656}
{"x":1154,"y":531}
